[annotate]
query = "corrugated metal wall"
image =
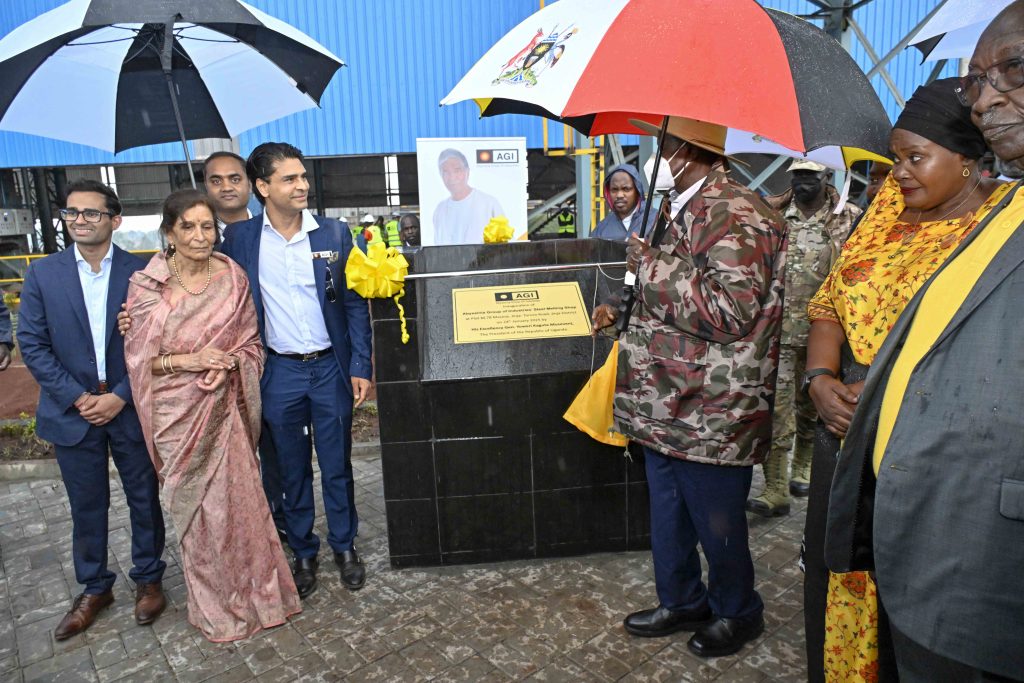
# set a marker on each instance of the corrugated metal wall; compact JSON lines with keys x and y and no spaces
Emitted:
{"x":404,"y":56}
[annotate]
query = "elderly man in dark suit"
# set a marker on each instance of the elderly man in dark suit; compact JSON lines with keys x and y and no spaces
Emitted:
{"x":66,"y":324}
{"x":317,"y":335}
{"x":929,"y":488}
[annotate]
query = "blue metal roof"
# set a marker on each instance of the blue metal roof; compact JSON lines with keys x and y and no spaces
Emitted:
{"x":403,"y":56}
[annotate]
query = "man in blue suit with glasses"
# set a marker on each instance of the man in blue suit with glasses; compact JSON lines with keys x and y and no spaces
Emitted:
{"x":66,"y":323}
{"x":317,"y":335}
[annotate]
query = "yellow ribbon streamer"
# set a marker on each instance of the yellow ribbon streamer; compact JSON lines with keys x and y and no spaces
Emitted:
{"x":498,"y":231}
{"x":379,"y":273}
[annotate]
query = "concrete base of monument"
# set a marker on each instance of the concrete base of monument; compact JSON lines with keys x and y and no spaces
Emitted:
{"x":477,"y":462}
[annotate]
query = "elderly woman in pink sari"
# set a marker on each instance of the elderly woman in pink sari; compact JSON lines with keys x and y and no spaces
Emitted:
{"x":195,"y":359}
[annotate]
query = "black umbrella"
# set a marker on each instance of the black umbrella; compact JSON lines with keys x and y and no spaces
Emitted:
{"x":117,"y":74}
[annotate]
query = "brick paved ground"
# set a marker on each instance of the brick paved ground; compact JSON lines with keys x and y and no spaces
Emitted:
{"x":554,"y":620}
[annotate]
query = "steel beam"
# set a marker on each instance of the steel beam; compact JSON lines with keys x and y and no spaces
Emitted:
{"x":584,"y":192}
{"x":884,"y":73}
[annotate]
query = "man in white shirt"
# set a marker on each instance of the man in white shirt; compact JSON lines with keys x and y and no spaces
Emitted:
{"x":317,"y":335}
{"x":461,"y":218}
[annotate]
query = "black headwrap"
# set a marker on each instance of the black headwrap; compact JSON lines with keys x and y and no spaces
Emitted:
{"x":935,"y":113}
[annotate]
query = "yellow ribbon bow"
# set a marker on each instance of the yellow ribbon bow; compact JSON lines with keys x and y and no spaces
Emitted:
{"x":498,"y":231}
{"x":379,"y":273}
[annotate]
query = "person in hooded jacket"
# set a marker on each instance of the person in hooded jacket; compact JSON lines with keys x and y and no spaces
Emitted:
{"x":624,"y":191}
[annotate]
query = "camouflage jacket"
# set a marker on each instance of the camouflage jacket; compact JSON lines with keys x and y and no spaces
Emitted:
{"x":697,"y":365}
{"x":814,"y":245}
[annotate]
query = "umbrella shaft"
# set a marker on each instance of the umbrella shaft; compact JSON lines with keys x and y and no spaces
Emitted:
{"x":166,"y":63}
{"x":181,"y":127}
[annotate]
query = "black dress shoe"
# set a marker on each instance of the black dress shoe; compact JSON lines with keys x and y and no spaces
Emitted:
{"x":661,"y":621}
{"x":725,"y":636}
{"x":353,"y":572}
{"x":304,"y":573}
{"x":799,"y":489}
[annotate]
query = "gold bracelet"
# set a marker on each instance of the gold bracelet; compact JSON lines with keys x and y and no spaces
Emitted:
{"x":163,"y":364}
{"x":170,"y":363}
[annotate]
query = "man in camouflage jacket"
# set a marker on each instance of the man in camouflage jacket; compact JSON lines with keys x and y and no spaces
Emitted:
{"x":816,"y":235}
{"x":695,"y":387}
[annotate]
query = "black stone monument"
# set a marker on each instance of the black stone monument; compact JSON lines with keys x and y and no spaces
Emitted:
{"x":478,"y":464}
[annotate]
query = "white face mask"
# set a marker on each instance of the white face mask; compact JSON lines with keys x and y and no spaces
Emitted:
{"x":666,"y":181}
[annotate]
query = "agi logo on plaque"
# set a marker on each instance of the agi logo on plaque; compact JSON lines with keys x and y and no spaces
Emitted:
{"x":532,"y":295}
{"x":543,"y":311}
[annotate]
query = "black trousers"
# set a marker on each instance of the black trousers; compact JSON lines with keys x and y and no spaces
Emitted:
{"x":823,"y":467}
{"x":918,"y":664}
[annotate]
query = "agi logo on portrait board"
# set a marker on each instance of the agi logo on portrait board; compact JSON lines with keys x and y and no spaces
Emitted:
{"x":529,"y":295}
{"x":497,"y":156}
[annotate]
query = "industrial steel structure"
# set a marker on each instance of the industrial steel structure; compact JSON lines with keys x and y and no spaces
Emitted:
{"x":403,"y":56}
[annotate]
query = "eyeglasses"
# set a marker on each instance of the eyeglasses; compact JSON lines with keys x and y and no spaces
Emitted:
{"x":1004,"y":77}
{"x":329,"y":292}
{"x":90,"y":215}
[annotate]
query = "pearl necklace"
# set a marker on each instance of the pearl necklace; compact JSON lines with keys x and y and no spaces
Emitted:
{"x":209,"y":275}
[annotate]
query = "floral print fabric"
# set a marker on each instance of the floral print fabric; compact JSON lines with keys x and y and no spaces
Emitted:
{"x":883,"y":264}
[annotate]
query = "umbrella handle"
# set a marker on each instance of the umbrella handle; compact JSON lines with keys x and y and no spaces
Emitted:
{"x":629,"y":286}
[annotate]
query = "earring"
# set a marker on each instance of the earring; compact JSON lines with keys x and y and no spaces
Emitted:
{"x":967,"y":172}
{"x":170,"y":250}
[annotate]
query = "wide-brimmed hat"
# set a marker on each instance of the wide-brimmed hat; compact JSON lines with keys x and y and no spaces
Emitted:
{"x":709,"y":136}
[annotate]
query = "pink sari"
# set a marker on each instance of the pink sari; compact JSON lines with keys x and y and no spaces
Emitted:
{"x":203,"y":446}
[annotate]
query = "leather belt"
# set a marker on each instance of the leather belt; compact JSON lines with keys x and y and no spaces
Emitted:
{"x":312,"y":355}
{"x":102,"y":388}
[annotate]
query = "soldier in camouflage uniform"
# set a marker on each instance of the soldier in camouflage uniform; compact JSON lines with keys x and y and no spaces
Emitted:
{"x":695,"y":387}
{"x":816,"y":234}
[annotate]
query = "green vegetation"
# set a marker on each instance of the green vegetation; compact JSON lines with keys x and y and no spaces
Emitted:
{"x":18,"y":440}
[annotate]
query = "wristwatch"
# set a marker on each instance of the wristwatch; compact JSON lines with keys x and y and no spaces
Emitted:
{"x":811,"y":374}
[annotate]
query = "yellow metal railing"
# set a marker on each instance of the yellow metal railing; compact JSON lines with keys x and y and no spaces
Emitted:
{"x":12,"y":268}
{"x":597,"y":168}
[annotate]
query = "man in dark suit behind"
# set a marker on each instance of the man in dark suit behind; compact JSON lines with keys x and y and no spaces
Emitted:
{"x":66,"y":333}
{"x":317,"y":335}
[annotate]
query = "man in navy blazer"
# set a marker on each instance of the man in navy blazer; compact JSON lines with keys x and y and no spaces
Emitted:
{"x":66,"y":324}
{"x":317,"y":335}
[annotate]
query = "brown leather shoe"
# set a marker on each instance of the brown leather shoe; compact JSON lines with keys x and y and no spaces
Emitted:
{"x":149,"y":602}
{"x":83,"y":612}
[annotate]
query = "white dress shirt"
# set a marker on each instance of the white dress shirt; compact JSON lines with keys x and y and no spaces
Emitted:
{"x":294,"y":318}
{"x":680,"y":200}
{"x":94,"y":291}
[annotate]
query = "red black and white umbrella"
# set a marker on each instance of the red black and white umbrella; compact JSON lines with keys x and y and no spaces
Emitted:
{"x":728,"y":62}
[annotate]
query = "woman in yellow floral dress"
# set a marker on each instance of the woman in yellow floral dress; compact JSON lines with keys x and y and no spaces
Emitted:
{"x":933,"y":198}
